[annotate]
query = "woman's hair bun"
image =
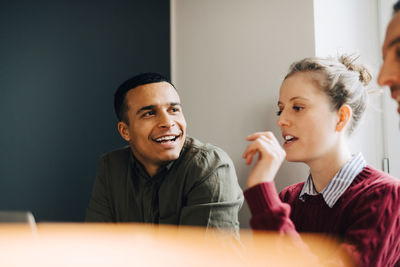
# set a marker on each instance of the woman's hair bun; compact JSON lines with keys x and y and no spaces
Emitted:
{"x":349,"y":62}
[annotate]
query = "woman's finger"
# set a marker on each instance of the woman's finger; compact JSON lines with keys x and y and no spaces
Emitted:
{"x":250,"y":157}
{"x":255,"y":135}
{"x":268,"y":135}
{"x":262,"y":145}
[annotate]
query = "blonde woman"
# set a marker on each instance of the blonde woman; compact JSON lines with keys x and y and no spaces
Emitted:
{"x":320,"y":103}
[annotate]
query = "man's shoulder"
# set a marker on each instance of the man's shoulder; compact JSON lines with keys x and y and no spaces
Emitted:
{"x":200,"y":162}
{"x":200,"y":152}
{"x":120,"y":155}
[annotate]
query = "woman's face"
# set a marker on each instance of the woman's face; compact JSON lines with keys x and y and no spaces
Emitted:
{"x":306,"y":119}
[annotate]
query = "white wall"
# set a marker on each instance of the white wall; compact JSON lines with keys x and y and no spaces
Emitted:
{"x":228,"y":60}
{"x":343,"y":26}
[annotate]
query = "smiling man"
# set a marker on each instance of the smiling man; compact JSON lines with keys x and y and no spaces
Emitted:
{"x":389,"y":74}
{"x":163,"y":176}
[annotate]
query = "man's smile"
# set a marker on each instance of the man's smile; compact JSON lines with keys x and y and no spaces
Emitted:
{"x":167,"y":138}
{"x":395,"y":93}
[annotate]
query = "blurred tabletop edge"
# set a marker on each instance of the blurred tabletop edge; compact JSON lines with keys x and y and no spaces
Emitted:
{"x":130,"y":244}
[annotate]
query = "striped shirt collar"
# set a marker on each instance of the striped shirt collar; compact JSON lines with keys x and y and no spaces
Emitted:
{"x":340,"y":182}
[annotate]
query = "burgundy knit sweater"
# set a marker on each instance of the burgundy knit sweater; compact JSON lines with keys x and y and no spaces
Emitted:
{"x":366,"y":217}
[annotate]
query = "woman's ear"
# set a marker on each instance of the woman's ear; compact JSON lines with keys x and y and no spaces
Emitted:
{"x":123,"y":131}
{"x":344,"y":113}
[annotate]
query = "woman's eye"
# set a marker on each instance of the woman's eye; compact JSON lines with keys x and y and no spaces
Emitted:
{"x":297,"y":108}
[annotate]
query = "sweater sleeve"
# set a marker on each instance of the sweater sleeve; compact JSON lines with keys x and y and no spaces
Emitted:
{"x":268,"y":211}
{"x":373,"y":236}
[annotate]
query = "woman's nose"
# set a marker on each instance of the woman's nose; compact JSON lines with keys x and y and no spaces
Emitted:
{"x":283,"y":119}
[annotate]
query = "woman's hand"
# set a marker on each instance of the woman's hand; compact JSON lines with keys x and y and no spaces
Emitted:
{"x":270,"y":157}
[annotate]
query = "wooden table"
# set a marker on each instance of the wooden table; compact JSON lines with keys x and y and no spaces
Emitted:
{"x":84,"y":244}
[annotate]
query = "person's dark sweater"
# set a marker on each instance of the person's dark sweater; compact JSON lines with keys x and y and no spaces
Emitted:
{"x":366,"y":217}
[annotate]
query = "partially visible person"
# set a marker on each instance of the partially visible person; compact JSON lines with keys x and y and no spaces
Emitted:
{"x":389,"y":74}
{"x":321,"y":102}
{"x":163,"y":176}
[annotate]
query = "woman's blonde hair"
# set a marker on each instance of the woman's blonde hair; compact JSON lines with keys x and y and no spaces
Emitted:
{"x":341,"y":79}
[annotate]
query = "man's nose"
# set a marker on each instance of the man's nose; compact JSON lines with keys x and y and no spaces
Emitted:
{"x":388,"y":75}
{"x":165,"y":120}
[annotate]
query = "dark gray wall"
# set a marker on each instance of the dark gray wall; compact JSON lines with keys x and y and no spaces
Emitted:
{"x":60,"y":63}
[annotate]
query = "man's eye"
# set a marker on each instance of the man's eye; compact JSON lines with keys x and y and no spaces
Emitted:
{"x":175,"y":109}
{"x":279,"y":112}
{"x":398,"y":53}
{"x":149,"y":113}
{"x":297,"y":108}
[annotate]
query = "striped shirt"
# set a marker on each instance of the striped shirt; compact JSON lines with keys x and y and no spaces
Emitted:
{"x":339,"y":183}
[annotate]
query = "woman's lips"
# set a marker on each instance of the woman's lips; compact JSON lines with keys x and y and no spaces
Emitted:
{"x":289,"y":140}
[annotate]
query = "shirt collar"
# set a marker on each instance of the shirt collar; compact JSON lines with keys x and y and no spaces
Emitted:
{"x":139,"y":168}
{"x":339,"y":183}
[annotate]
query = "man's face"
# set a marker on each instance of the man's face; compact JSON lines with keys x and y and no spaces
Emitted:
{"x":390,"y":71}
{"x":157,"y":127}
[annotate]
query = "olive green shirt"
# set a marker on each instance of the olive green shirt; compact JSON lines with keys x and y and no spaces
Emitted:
{"x":199,"y":188}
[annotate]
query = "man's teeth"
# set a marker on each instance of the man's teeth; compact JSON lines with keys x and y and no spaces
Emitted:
{"x":288,"y":137}
{"x":166,"y":138}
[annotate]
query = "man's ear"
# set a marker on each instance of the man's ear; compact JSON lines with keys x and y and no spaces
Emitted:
{"x":123,"y":131}
{"x":344,"y":113}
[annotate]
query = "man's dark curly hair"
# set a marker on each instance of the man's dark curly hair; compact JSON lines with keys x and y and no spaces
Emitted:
{"x":396,"y":7}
